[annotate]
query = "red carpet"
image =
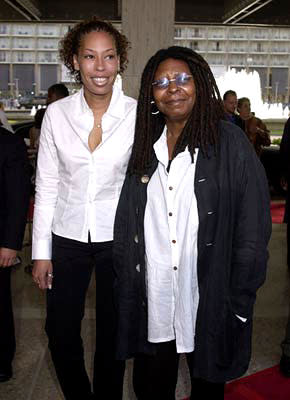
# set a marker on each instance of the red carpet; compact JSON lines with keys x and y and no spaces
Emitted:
{"x":268,"y":384}
{"x":277,"y":212}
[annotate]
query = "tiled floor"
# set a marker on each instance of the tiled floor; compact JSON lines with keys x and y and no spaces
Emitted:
{"x":34,"y":377}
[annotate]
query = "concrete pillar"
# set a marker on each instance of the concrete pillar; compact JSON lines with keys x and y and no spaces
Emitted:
{"x":149,"y":26}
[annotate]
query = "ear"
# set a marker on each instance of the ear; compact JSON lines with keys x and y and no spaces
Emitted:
{"x":76,"y":63}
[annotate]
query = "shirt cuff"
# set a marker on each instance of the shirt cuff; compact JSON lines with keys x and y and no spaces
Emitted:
{"x":41,"y":249}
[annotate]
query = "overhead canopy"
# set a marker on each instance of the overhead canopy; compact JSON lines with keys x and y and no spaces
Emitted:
{"x":273,"y":12}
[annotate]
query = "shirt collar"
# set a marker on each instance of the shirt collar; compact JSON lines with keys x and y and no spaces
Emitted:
{"x":161,"y":149}
{"x":116,"y":107}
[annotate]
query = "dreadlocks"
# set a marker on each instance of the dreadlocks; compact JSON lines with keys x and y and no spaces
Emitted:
{"x":201,"y":128}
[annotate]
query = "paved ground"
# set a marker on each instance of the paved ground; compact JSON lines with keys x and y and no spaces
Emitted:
{"x":34,"y":377}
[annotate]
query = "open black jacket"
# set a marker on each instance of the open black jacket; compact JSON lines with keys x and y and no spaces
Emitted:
{"x":14,"y":189}
{"x":234,"y":230}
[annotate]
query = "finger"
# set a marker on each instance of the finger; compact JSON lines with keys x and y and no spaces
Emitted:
{"x":5,"y":262}
{"x":42,"y":282}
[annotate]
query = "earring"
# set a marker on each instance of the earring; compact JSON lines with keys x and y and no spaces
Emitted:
{"x":156,"y":111}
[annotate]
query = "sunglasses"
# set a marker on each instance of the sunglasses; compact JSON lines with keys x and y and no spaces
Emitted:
{"x":180,"y":80}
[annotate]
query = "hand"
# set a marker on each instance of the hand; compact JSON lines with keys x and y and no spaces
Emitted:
{"x":7,"y":257}
{"x":42,"y":273}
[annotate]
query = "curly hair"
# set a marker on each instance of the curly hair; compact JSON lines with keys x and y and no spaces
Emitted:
{"x":201,"y":128}
{"x":70,"y":44}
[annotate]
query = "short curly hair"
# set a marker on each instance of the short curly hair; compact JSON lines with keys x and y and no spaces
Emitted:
{"x":70,"y":44}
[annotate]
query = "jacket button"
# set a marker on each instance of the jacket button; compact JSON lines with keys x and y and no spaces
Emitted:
{"x":145,"y":179}
{"x":209,"y":212}
{"x":136,"y":239}
{"x":138,"y":267}
{"x":209,"y":244}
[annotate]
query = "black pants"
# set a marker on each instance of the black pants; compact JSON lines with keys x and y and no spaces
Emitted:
{"x":155,"y":377}
{"x":7,"y":334}
{"x":73,"y":263}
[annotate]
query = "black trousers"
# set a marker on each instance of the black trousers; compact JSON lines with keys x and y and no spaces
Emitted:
{"x":73,"y":263}
{"x":7,"y":333}
{"x":155,"y":377}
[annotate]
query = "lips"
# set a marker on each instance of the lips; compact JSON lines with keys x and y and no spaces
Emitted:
{"x":100,"y":80}
{"x":174,"y":102}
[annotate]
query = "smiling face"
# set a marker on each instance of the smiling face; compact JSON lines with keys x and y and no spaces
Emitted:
{"x":175,"y":102}
{"x":97,"y":61}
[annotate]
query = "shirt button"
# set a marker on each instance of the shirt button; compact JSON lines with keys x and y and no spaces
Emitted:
{"x":170,"y":188}
{"x":175,"y":268}
{"x":170,"y":214}
{"x":145,"y":179}
{"x":173,"y":241}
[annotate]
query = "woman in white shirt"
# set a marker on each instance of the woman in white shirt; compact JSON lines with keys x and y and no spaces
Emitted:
{"x":85,"y":144}
{"x":190,"y":236}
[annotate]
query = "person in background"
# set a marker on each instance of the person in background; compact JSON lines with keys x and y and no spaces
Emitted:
{"x":191,"y":233}
{"x":230,"y":102}
{"x":14,"y":183}
{"x":285,"y":161}
{"x":255,"y":129}
{"x":3,"y":119}
{"x":55,"y":92}
{"x":84,"y":149}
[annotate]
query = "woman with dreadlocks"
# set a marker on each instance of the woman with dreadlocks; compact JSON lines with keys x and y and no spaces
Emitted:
{"x":191,"y":234}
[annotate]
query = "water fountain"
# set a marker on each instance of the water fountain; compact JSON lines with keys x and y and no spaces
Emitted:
{"x":248,"y":84}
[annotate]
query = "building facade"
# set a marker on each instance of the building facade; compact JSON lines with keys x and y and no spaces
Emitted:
{"x":29,"y":61}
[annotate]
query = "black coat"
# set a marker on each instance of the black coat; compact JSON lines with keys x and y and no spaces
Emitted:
{"x":285,"y":164}
{"x":14,"y":187}
{"x":234,"y":230}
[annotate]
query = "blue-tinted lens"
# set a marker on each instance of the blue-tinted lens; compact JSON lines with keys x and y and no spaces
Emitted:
{"x":182,"y":79}
{"x":161,"y":83}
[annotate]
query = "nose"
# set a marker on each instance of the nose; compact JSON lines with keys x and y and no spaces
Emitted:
{"x":172,"y":87}
{"x":99,"y":64}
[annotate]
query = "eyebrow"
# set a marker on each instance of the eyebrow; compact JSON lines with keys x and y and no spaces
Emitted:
{"x":103,"y":51}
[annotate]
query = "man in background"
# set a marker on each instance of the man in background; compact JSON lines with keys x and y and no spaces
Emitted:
{"x":54,"y":93}
{"x":14,"y":186}
{"x":230,"y":105}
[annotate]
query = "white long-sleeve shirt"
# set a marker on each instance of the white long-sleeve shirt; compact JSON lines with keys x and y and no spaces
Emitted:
{"x":77,"y":191}
{"x":170,"y":228}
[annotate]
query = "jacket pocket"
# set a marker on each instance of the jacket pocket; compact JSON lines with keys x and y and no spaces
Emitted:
{"x":229,"y":338}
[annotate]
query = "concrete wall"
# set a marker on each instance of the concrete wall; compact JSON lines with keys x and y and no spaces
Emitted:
{"x":149,"y":25}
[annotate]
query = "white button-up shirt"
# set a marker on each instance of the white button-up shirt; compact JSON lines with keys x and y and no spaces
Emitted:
{"x":77,"y":191}
{"x":170,"y":228}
